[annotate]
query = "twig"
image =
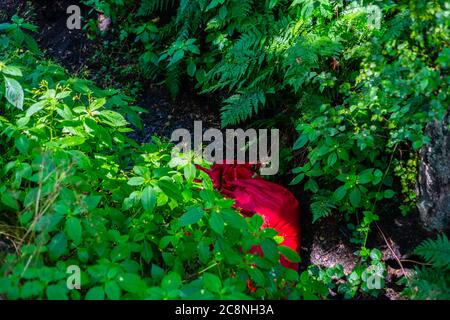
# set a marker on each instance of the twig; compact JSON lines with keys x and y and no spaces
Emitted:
{"x":416,"y":262}
{"x":392,"y":250}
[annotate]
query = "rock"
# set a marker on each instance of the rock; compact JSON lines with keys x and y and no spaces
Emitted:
{"x":433,"y":185}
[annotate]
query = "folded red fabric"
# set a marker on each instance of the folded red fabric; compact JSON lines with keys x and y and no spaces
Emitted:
{"x":252,"y":194}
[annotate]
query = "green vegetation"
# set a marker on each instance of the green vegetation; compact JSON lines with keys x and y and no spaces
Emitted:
{"x":355,"y":82}
{"x":75,"y":190}
{"x":433,"y":281}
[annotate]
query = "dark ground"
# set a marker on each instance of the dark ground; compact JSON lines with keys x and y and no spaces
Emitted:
{"x":325,"y":243}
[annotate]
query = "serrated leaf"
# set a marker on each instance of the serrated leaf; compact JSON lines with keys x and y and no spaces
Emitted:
{"x":57,"y":247}
{"x":216,"y":223}
{"x":74,"y":230}
{"x":257,"y":276}
{"x":289,"y":254}
{"x":192,"y":216}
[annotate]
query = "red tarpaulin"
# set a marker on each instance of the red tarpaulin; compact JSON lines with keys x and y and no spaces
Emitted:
{"x":252,"y":194}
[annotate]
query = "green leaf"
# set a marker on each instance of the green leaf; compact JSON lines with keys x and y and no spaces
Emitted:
{"x":332,"y":158}
{"x":388,"y":194}
{"x":269,"y":249}
{"x":14,"y":92}
{"x":112,"y":290}
{"x":191,"y":68}
{"x":375,"y":254}
{"x":340,"y":193}
{"x":170,"y":189}
{"x":355,"y":197}
{"x":257,"y":276}
{"x":92,"y":201}
{"x":12,"y":71}
{"x":366,"y":176}
{"x":97,"y":104}
{"x":132,"y":283}
{"x":234,"y":219}
{"x":74,"y":230}
{"x":212,"y":282}
{"x":171,"y":281}
{"x":148,"y":199}
{"x":192,"y":216}
{"x":147,"y":252}
{"x":190,"y":171}
{"x":57,"y":247}
{"x":36,"y":107}
{"x":289,"y":254}
{"x":10,"y":201}
{"x":32,"y":289}
{"x":157,"y":272}
{"x":70,"y":141}
{"x":297,"y":179}
{"x":113,"y":118}
{"x":178,"y":55}
{"x":57,"y":292}
{"x":216,"y":223}
{"x":300,"y":142}
{"x":95,"y":293}
{"x":136,"y":181}
{"x":273,"y":3}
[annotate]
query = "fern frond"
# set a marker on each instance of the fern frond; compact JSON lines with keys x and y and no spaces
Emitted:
{"x":240,"y":107}
{"x":299,"y":61}
{"x":237,"y":66}
{"x":397,"y":25}
{"x":322,"y":207}
{"x":149,"y":7}
{"x":240,"y":9}
{"x":429,"y":284}
{"x":436,"y":251}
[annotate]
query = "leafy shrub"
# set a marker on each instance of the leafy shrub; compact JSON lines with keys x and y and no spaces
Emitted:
{"x":357,"y":80}
{"x":77,"y":191}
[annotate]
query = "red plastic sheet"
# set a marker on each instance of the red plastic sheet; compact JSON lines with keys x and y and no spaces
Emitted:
{"x":252,"y":194}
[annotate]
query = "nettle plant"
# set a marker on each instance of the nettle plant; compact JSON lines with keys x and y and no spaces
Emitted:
{"x":77,"y":191}
{"x":357,"y":80}
{"x":356,"y":147}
